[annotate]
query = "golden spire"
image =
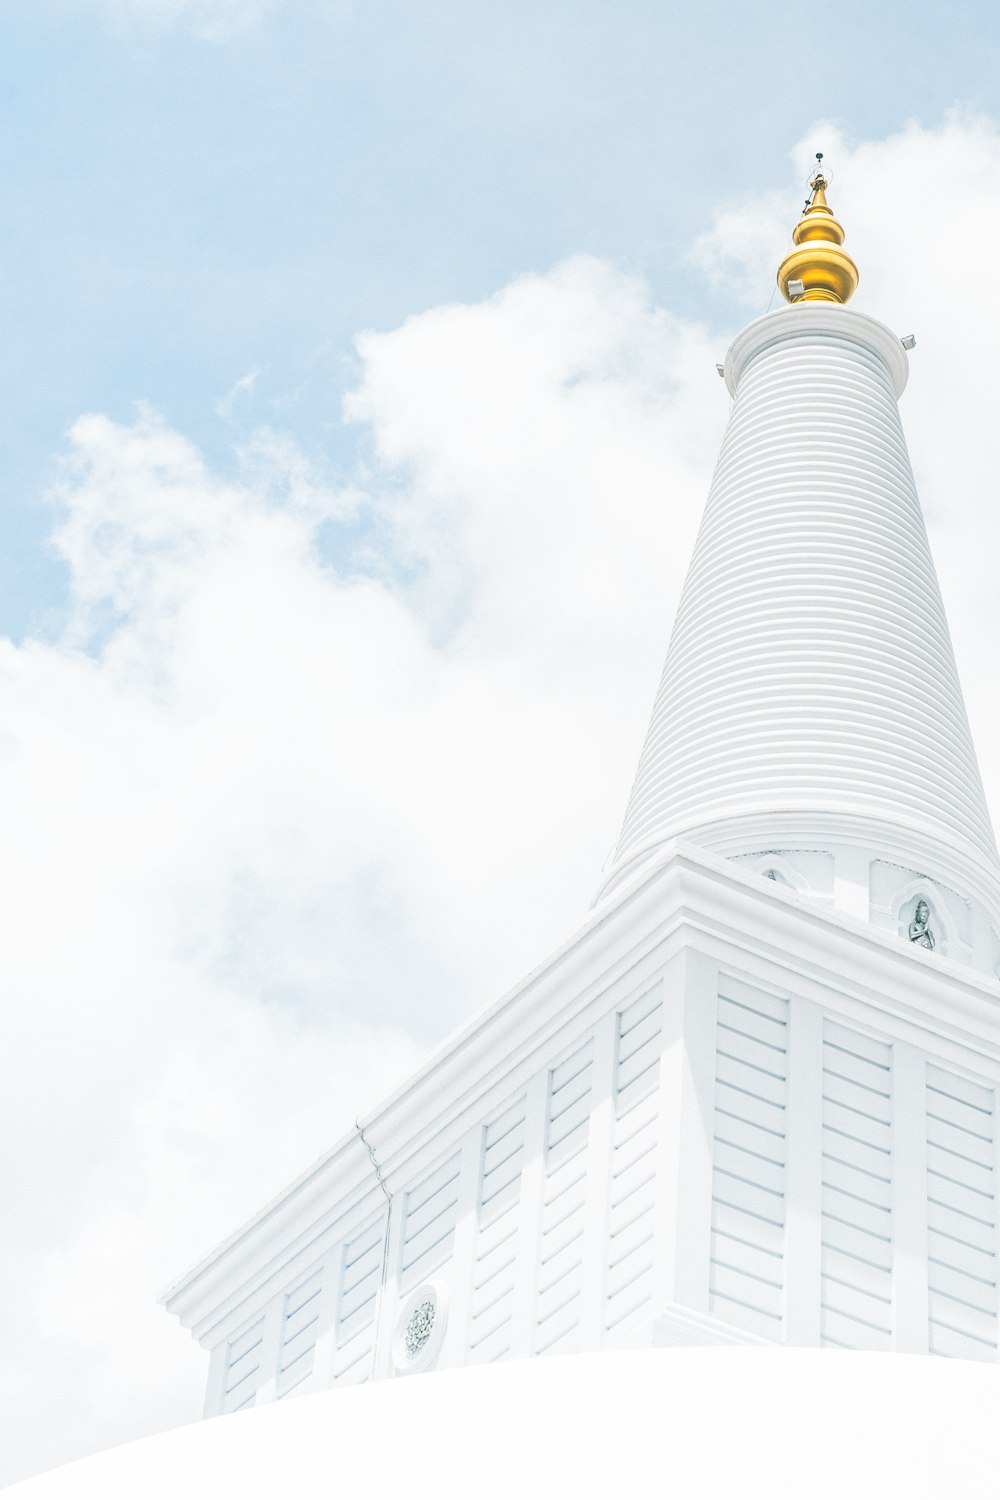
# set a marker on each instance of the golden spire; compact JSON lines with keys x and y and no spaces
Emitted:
{"x":824,"y":271}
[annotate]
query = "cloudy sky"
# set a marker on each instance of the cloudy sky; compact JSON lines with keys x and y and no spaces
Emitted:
{"x":358,"y":405}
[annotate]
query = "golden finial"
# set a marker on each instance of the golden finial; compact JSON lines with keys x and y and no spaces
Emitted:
{"x":818,"y":269}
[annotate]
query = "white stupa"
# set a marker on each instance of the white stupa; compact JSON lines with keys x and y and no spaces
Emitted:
{"x":752,"y":1101}
{"x":754,"y":1096}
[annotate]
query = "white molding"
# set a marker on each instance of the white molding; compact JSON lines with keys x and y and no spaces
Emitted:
{"x":678,"y":1327}
{"x":760,"y":864}
{"x":805,"y":319}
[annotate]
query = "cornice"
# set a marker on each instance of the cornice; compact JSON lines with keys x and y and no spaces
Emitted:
{"x":933,"y":850}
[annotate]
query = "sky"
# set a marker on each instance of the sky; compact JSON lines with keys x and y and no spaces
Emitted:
{"x":357,"y":407}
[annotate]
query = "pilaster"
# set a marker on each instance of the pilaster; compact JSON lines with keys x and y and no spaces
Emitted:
{"x":909,"y":1190}
{"x":595,"y":1248}
{"x":687,"y":1097}
{"x":803,"y":1173}
{"x":529,"y":1216}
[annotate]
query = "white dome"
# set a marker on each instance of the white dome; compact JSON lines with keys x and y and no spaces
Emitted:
{"x":810,"y":683}
{"x":702,"y":1423}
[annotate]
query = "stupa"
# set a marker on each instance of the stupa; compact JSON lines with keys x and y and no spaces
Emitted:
{"x":753,"y":1099}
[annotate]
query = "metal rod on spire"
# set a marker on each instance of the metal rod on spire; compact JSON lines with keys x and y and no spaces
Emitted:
{"x":818,"y":269}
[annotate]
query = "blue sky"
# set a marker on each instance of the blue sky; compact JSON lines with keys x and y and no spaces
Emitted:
{"x":178,"y":212}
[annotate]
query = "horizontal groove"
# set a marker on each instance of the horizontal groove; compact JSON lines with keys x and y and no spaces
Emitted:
{"x":956,"y":1239}
{"x":725,"y":1234}
{"x":980,"y":1109}
{"x":491,"y":1143}
{"x":749,"y":1212}
{"x":489,"y":1333}
{"x":859,"y":1140}
{"x":964,"y":1129}
{"x":243,"y":1379}
{"x":873,"y":1234}
{"x":353,"y":1363}
{"x":754,"y":1067}
{"x":762,"y":1015}
{"x":427,"y":1249}
{"x":621,"y":1313}
{"x":853,"y":1318}
{"x":852,"y":1109}
{"x":640,"y":1271}
{"x":963,"y":1333}
{"x":752,"y":1306}
{"x":860,"y":1290}
{"x":742,"y":1271}
{"x":571,"y":1297}
{"x":961,"y":1213}
{"x":500,"y":1294}
{"x":735,"y":1031}
{"x":374,"y":1244}
{"x":303,"y":1354}
{"x":640,"y":1213}
{"x":481,"y":1285}
{"x":870,"y":1062}
{"x":742,"y":1119}
{"x":853,"y":1167}
{"x":947,"y":1265}
{"x":747,"y":1151}
{"x":656,"y":1003}
{"x":758,"y":1187}
{"x":636,"y":1187}
{"x":586,"y":1061}
{"x":749,"y":1094}
{"x":615,"y":1262}
{"x":853,"y":1255}
{"x":831,"y":1187}
{"x":568,"y":1209}
{"x":975,"y":1307}
{"x":855,"y":1083}
{"x":965,"y":1186}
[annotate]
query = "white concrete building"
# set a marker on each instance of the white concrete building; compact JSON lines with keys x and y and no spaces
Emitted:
{"x":753,"y":1099}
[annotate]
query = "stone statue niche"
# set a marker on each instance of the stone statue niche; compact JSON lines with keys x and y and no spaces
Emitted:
{"x":919,"y":930}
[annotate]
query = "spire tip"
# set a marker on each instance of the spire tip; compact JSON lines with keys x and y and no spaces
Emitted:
{"x":818,"y":269}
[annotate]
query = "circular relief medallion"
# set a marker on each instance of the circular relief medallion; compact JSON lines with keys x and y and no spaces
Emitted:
{"x":420,"y":1328}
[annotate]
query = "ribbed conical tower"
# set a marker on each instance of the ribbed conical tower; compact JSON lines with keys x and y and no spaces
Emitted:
{"x":810,"y":698}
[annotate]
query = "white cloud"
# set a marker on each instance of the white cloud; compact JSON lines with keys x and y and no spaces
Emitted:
{"x":226,"y":404}
{"x":277,"y":814}
{"x":212,"y":20}
{"x":279,"y":808}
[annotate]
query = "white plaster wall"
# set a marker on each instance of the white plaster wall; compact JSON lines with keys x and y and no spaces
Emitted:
{"x":722,"y":1153}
